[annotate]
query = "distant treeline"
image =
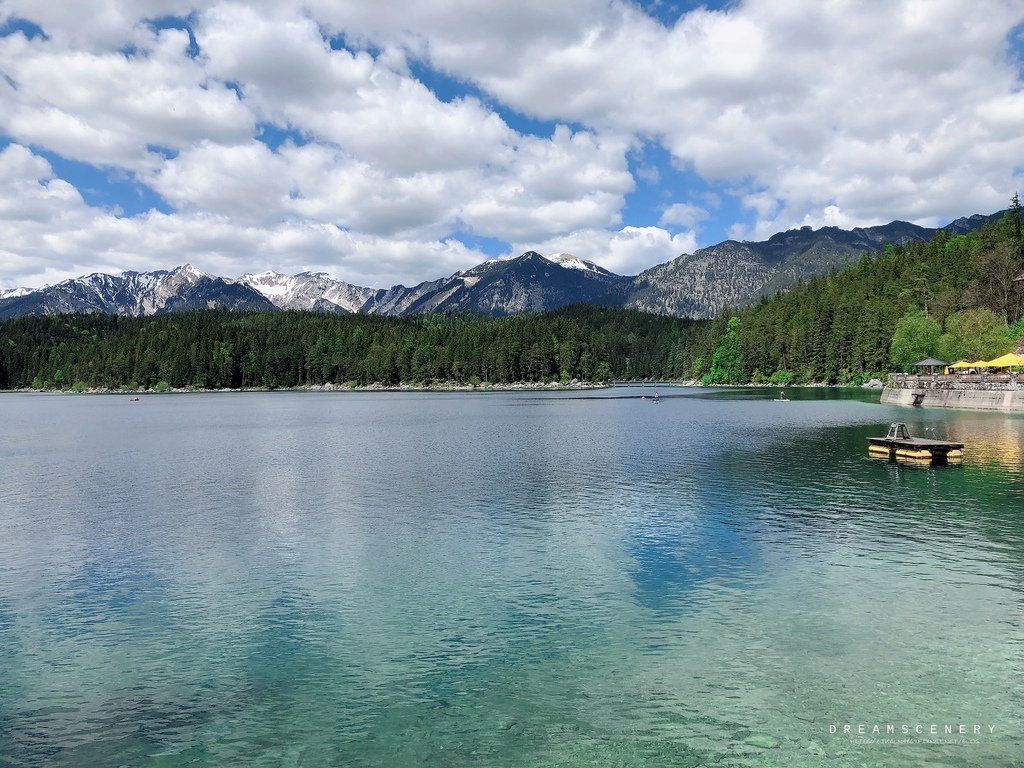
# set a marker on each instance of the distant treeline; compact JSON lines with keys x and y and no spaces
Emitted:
{"x":216,"y":349}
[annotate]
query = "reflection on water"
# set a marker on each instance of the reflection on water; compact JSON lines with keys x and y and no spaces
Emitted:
{"x":503,"y":580}
{"x":997,"y":440}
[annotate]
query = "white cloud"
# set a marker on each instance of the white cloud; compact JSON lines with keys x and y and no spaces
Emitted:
{"x":759,"y":91}
{"x":649,"y":173}
{"x":270,"y":143}
{"x":28,"y":190}
{"x":467,"y":35}
{"x":247,"y":182}
{"x":379,"y":115}
{"x":110,"y":108}
{"x":683,"y":215}
{"x":92,"y":25}
{"x":570,"y":181}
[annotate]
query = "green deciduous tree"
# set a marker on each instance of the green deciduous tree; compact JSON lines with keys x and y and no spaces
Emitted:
{"x":974,"y":334}
{"x":916,"y":337}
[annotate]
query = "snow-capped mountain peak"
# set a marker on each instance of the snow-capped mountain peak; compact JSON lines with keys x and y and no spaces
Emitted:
{"x":270,"y":283}
{"x":307,"y":290}
{"x":569,"y":261}
{"x":190,"y":273}
{"x":268,"y":275}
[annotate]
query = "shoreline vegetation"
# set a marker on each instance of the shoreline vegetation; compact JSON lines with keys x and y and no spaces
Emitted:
{"x":446,"y":386}
{"x":441,"y":386}
{"x":955,"y":297}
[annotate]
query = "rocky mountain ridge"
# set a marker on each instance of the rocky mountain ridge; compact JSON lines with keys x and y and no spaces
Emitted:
{"x":734,"y":274}
{"x":136,"y":294}
{"x":729,"y":274}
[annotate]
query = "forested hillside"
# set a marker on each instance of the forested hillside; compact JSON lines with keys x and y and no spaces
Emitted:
{"x":953,"y":297}
{"x":214,"y":349}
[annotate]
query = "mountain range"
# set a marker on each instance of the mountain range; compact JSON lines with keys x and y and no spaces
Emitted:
{"x":696,"y":285}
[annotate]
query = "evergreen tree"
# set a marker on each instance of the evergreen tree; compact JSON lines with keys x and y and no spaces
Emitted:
{"x":727,"y":361}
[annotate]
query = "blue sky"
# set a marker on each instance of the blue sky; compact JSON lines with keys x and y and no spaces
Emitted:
{"x":402,"y":143}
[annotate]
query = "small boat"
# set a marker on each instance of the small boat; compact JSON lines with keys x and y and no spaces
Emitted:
{"x":133,"y":399}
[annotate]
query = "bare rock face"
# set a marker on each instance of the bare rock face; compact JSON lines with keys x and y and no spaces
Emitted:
{"x":700,"y":284}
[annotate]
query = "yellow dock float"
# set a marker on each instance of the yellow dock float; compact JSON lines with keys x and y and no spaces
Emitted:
{"x":898,"y":444}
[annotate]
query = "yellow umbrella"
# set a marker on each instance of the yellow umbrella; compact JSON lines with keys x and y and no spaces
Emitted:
{"x":963,"y":364}
{"x":1009,"y":360}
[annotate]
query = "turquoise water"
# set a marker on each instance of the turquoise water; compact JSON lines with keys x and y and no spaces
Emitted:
{"x":507,"y":579}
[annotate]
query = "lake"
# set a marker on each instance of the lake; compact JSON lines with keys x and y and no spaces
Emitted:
{"x":506,"y":579}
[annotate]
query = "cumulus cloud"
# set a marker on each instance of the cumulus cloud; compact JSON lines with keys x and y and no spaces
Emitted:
{"x":365,"y":139}
{"x":92,"y":25}
{"x":683,"y":215}
{"x":789,"y":98}
{"x":112,"y":108}
{"x":29,"y":192}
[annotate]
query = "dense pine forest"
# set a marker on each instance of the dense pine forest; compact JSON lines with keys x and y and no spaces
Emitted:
{"x":954,"y":297}
{"x":216,"y":349}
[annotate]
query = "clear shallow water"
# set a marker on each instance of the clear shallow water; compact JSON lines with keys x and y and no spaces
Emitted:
{"x":362,"y":579}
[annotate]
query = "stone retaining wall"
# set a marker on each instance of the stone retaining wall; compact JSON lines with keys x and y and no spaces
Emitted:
{"x":978,"y":392}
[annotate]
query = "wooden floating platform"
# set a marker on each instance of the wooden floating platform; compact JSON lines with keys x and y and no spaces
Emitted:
{"x":898,"y":444}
